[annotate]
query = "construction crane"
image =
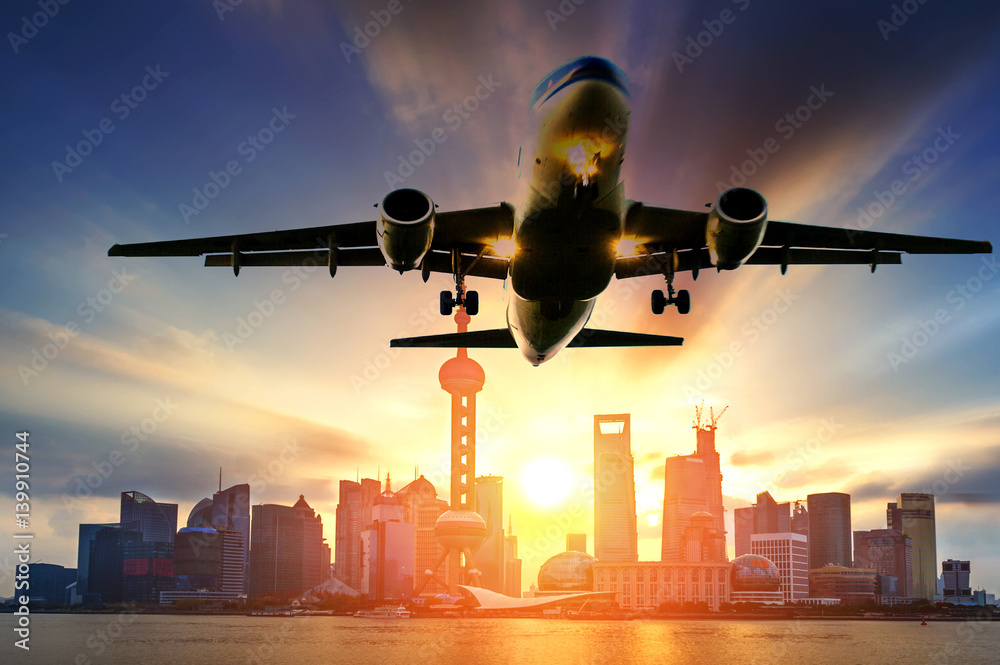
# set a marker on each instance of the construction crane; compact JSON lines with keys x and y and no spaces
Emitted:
{"x":713,"y":420}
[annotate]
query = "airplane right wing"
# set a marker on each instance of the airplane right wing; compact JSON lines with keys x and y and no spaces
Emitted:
{"x":679,"y":240}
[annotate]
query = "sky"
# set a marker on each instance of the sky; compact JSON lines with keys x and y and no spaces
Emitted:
{"x":127,"y":122}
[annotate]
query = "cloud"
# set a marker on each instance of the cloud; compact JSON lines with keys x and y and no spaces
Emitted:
{"x":748,"y":458}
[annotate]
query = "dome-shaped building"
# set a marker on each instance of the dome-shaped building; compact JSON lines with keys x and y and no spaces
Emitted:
{"x":567,"y":571}
{"x":755,"y":579}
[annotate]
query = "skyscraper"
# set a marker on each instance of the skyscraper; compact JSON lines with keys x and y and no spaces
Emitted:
{"x":615,"y":534}
{"x":890,"y":553}
{"x":286,"y":549}
{"x":148,"y":547}
{"x":576,"y":542}
{"x":231,"y":510}
{"x":955,"y":575}
{"x":387,"y":553}
{"x":767,"y":516}
{"x":829,"y":529}
{"x":105,"y":563}
{"x":421,"y":508}
{"x":354,"y":514}
{"x":913,"y":514}
{"x":512,"y":570}
{"x":691,"y":484}
{"x":490,"y":556}
{"x":84,"y":545}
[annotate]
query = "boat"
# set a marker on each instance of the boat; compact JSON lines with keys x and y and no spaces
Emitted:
{"x":385,"y":612}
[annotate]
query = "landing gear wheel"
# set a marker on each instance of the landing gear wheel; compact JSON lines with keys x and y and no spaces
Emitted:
{"x":658,"y":302}
{"x":447,"y":303}
{"x":472,"y":303}
{"x":683,"y":301}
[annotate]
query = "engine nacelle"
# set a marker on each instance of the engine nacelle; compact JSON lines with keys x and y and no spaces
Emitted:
{"x":736,"y":227}
{"x":405,"y":228}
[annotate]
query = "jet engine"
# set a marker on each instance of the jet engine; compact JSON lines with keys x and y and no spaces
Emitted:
{"x":736,"y":227}
{"x":405,"y":228}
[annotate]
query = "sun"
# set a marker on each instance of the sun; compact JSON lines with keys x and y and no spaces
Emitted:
{"x":547,"y":481}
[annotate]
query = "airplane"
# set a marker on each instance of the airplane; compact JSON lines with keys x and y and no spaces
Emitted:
{"x":573,"y":231}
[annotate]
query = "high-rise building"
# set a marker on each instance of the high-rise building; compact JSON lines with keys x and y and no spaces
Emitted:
{"x":490,"y":556}
{"x":956,"y":580}
{"x":913,"y":514}
{"x":421,"y":508}
{"x":829,"y":529}
{"x":615,"y":533}
{"x":890,"y":553}
{"x":789,"y":552}
{"x":765,"y":516}
{"x":354,"y":514}
{"x":286,"y":549}
{"x":799,"y":522}
{"x":702,"y":541}
{"x":576,"y":542}
{"x":743,"y":523}
{"x":201,"y":514}
{"x":105,"y":563}
{"x":692,"y":483}
{"x":84,"y":545}
{"x":231,"y":510}
{"x":512,"y":565}
{"x":387,"y":551}
{"x":148,"y":547}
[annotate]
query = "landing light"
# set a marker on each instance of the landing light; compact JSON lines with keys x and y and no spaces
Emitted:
{"x":504,"y":247}
{"x":627,"y":247}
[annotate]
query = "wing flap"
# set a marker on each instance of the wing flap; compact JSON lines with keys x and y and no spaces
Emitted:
{"x":595,"y":338}
{"x":499,"y":338}
{"x":367,"y":256}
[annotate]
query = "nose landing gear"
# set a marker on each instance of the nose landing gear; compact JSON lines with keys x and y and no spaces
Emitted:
{"x":462,"y":298}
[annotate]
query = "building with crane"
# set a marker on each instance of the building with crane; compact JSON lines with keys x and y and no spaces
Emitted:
{"x":693,"y":484}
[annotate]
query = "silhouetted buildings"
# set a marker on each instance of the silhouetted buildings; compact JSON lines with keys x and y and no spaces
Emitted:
{"x":829,"y":529}
{"x":576,"y":542}
{"x":701,"y":541}
{"x":615,"y":534}
{"x":913,"y":514}
{"x":768,"y":516}
{"x":646,"y":585}
{"x":692,"y":483}
{"x":512,"y":564}
{"x":87,"y":533}
{"x":354,"y":514}
{"x":286,"y":550}
{"x":890,"y":553}
{"x":50,"y":583}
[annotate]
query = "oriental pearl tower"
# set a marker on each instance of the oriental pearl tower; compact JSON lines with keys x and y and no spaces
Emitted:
{"x":460,"y":530}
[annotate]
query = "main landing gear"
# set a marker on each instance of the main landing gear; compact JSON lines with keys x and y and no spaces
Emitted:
{"x":682,"y":299}
{"x":462,"y":298}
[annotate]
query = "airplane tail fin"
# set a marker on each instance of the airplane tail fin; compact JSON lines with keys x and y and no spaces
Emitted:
{"x":502,"y":339}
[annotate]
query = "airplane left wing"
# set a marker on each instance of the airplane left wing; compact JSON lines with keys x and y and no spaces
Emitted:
{"x":468,"y":234}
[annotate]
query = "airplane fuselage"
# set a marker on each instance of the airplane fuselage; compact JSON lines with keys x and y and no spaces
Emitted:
{"x":572,"y":212}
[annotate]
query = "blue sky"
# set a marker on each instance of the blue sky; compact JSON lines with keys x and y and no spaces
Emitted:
{"x":818,"y":346}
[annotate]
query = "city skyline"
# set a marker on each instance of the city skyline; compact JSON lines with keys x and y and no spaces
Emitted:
{"x":839,"y":380}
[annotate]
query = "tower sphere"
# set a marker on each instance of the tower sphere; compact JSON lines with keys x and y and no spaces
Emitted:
{"x":461,"y":375}
{"x":460,"y":529}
